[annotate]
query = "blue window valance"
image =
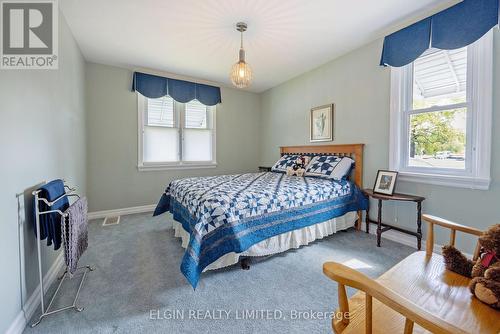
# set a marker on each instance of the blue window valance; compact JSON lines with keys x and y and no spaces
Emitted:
{"x":452,"y":28}
{"x":154,"y":86}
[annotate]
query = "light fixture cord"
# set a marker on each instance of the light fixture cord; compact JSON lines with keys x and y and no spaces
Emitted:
{"x":242,"y":51}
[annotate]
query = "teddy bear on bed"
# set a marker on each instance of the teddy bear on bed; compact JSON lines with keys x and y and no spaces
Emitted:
{"x":299,"y":167}
{"x":485,"y":271}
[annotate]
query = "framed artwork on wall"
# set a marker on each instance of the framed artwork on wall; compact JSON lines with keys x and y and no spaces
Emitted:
{"x":321,"y":123}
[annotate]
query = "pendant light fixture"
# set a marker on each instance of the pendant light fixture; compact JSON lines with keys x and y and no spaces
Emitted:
{"x":241,"y":73}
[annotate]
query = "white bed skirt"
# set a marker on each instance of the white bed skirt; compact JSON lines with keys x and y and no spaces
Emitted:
{"x":279,"y":243}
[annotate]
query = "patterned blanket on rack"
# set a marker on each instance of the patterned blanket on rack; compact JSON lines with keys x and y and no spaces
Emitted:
{"x":75,"y":233}
{"x":230,"y":213}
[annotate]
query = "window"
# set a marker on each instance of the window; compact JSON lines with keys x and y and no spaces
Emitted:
{"x":175,"y":135}
{"x":441,"y":107}
{"x":437,"y":118}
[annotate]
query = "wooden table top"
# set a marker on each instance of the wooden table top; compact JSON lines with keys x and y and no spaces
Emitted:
{"x":394,"y":197}
{"x":428,"y":284}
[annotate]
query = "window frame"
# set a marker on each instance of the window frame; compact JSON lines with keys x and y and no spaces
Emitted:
{"x":479,"y":104}
{"x":179,"y":121}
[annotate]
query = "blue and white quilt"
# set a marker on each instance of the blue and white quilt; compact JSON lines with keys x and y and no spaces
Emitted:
{"x":230,"y":213}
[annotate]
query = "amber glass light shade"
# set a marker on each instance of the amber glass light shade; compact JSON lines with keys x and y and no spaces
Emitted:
{"x":241,"y":74}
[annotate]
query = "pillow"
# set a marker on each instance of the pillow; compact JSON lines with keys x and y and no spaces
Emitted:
{"x":330,"y":166}
{"x":343,"y":169}
{"x":287,"y":160}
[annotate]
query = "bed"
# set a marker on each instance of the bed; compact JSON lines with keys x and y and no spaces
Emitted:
{"x":221,"y":218}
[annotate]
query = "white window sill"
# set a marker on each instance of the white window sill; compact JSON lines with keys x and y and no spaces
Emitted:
{"x":468,"y":182}
{"x":160,"y":167}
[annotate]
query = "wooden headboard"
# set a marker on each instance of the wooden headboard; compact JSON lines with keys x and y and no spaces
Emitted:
{"x":354,"y":151}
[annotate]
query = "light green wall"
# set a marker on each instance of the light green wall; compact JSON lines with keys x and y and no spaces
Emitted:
{"x":114,"y":181}
{"x":360,"y":89}
{"x":42,"y":135}
{"x":357,"y":86}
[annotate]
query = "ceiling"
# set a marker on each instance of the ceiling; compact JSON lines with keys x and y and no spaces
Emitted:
{"x":197,"y":38}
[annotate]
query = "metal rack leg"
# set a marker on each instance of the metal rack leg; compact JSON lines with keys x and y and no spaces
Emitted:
{"x":63,"y":274}
{"x":73,"y":305}
{"x":39,"y":253}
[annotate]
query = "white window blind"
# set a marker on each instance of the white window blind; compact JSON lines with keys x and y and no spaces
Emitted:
{"x":160,"y":112}
{"x":196,"y":115}
{"x":161,"y":144}
{"x":161,"y":134}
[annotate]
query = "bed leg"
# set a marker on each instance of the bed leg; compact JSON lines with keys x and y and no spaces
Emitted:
{"x":245,"y":263}
{"x":359,"y":221}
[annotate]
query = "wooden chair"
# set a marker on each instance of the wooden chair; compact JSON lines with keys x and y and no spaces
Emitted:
{"x":418,"y":295}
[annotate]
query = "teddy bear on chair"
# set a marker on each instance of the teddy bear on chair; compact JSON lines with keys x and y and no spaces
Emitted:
{"x":299,"y":167}
{"x":485,"y":271}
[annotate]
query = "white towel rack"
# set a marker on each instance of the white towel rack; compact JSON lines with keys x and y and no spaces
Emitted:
{"x":71,"y":192}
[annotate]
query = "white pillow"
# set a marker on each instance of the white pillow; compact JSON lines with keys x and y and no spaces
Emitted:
{"x":342,"y":169}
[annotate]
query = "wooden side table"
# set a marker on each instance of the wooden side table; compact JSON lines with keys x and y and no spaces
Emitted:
{"x":383,"y":227}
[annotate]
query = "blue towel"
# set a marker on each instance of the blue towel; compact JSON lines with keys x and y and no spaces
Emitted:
{"x":50,"y":224}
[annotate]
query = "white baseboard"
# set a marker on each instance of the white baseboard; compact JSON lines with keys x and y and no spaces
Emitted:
{"x":31,"y":305}
{"x":409,"y":240}
{"x":17,"y":325}
{"x":404,"y":239}
{"x":121,"y":212}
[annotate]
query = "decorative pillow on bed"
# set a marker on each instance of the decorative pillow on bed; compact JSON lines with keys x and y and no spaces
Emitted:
{"x":330,"y":166}
{"x":287,"y":160}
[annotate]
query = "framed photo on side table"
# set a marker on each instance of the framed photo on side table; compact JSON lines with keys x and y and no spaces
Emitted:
{"x":321,"y":123}
{"x":385,"y":182}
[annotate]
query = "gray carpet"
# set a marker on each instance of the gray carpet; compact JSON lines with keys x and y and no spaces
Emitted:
{"x":137,"y":272}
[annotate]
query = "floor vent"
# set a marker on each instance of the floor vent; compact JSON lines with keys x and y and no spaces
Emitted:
{"x":108,"y":221}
